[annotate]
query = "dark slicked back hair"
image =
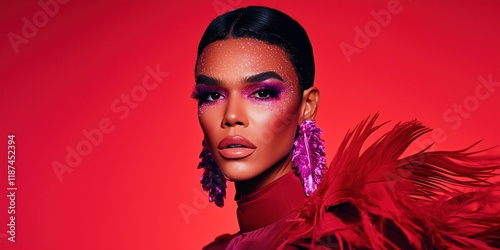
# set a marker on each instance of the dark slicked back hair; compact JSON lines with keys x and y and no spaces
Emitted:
{"x":270,"y":26}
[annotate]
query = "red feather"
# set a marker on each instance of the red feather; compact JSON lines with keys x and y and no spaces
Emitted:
{"x":376,"y":199}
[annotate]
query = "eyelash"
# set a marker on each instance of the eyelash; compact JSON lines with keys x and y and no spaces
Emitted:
{"x":271,"y":93}
{"x":203,"y":95}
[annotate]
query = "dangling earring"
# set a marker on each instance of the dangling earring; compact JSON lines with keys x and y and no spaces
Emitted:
{"x":309,"y":156}
{"x":212,"y":180}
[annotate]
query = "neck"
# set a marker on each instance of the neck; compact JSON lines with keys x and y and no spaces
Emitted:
{"x":279,"y":169}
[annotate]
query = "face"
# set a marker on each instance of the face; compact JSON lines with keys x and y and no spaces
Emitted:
{"x":249,"y":103}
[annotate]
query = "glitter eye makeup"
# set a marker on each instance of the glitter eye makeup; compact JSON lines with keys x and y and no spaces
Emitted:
{"x":262,"y":91}
{"x":207,"y":94}
{"x":247,"y":88}
{"x":265,"y":91}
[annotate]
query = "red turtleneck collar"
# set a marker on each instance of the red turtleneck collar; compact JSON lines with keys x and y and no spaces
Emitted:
{"x":270,"y":203}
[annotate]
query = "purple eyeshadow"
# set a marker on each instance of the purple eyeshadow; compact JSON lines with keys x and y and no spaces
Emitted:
{"x":264,"y":91}
{"x":202,"y":91}
{"x":274,"y":89}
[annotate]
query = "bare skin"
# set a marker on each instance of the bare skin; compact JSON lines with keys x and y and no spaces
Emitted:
{"x":249,"y":109}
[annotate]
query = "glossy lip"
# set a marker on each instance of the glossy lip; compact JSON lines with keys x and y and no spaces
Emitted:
{"x":246,"y":149}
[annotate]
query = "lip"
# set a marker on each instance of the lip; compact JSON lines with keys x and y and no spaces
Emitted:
{"x":245,"y":149}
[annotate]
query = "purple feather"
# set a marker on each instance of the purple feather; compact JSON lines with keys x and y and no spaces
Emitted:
{"x":309,"y":156}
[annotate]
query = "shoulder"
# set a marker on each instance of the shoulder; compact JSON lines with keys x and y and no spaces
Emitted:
{"x":220,"y":242}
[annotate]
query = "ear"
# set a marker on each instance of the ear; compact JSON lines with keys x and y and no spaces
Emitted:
{"x":309,"y":105}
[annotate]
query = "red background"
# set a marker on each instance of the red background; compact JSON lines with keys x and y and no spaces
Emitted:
{"x":128,"y":192}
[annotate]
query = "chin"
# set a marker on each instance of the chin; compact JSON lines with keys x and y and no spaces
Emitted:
{"x":239,"y":172}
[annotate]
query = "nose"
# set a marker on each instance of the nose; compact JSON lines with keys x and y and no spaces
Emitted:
{"x":235,"y":114}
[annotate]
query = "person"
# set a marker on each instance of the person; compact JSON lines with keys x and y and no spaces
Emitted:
{"x":256,"y":106}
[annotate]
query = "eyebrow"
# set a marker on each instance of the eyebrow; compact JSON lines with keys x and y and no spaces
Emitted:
{"x":253,"y":78}
{"x":264,"y":76}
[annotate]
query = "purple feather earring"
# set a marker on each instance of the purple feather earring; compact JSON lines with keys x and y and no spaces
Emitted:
{"x":212,"y":180}
{"x":308,"y":156}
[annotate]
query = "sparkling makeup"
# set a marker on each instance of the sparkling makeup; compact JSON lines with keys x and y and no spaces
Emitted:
{"x":265,"y":91}
{"x":248,"y":90}
{"x":208,"y":94}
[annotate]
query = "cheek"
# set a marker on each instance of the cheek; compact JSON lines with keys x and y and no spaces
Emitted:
{"x":275,"y":126}
{"x":209,"y":117}
{"x":209,"y":112}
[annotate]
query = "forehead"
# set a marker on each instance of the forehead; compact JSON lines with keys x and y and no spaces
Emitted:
{"x":233,"y":59}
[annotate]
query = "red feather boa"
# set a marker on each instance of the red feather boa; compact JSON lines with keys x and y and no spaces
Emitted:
{"x":378,"y":200}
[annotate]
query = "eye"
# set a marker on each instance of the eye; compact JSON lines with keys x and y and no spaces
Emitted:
{"x":206,"y":95}
{"x":265,"y":94}
{"x":213,"y":96}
